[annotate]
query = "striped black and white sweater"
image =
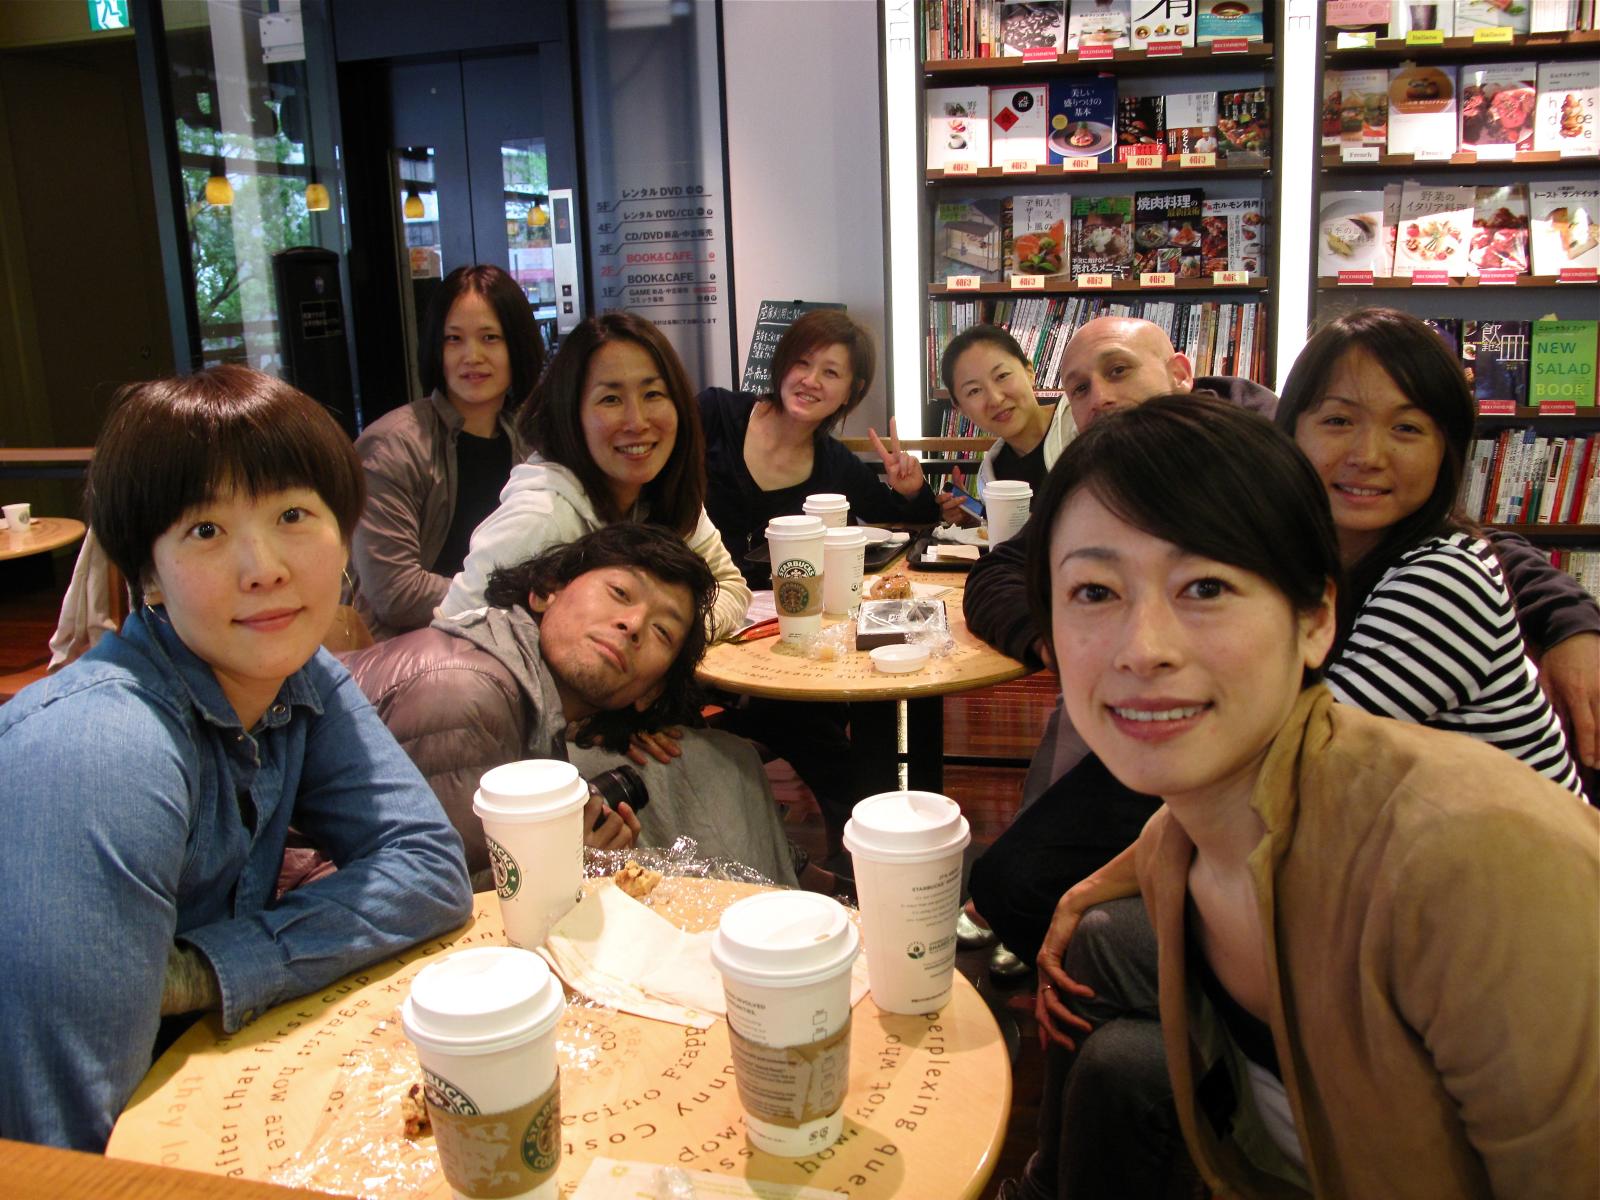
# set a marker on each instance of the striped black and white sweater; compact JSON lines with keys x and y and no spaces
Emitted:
{"x":1437,"y":643}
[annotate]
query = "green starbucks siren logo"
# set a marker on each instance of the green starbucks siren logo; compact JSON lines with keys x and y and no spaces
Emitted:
{"x":507,"y":875}
{"x":541,"y":1143}
{"x":446,"y":1097}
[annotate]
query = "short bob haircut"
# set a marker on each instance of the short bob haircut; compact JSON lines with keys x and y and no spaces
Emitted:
{"x":976,"y":335}
{"x":553,"y":423}
{"x":1426,"y":371}
{"x":523,"y":343}
{"x":817,"y":330}
{"x":1213,"y":479}
{"x":171,"y":445}
{"x":646,"y":548}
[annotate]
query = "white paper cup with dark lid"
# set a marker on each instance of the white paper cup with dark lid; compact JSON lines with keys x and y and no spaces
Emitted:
{"x":484,"y":1022}
{"x":785,"y":959}
{"x":906,"y":848}
{"x":532,"y":814}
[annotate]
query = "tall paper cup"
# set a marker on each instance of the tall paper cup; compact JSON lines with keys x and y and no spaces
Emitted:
{"x":483,"y":1021}
{"x":795,"y":544}
{"x":844,"y":553}
{"x":906,"y":847}
{"x":1005,"y":502}
{"x":831,"y":508}
{"x":785,"y":959}
{"x":532,"y":813}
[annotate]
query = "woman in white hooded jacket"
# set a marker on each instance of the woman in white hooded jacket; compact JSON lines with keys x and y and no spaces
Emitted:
{"x":616,"y":437}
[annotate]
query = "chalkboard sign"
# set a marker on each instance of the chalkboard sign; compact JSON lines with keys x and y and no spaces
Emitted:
{"x":773,"y":318}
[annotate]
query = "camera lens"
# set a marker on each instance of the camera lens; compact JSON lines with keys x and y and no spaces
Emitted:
{"x":621,"y":784}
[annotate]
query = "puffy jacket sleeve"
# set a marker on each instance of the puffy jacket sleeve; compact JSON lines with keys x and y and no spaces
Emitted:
{"x":733,"y":594}
{"x":386,"y":548}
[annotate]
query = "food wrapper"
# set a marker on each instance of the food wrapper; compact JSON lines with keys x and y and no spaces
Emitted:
{"x":893,"y":622}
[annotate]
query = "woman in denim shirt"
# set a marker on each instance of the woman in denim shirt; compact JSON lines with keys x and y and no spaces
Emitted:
{"x":147,"y":790}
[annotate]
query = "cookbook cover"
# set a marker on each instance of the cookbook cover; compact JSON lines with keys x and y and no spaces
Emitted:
{"x":1233,"y":236}
{"x":1406,"y":17}
{"x":1448,"y":329}
{"x":1191,"y":123}
{"x":1102,"y":230}
{"x":1422,"y":109}
{"x":1562,"y":216}
{"x":1473,"y":15}
{"x":1495,"y":356}
{"x":1244,"y":127}
{"x":1229,"y":19}
{"x":1039,"y":227}
{"x":1497,"y":106}
{"x":1358,"y":16}
{"x":1349,"y":233}
{"x":1083,"y":119}
{"x":1355,"y":108}
{"x":958,"y":126}
{"x":1563,"y":362}
{"x":1568,"y":93}
{"x":1166,"y":232}
{"x":1097,"y":23}
{"x":968,"y":238}
{"x":1163,"y":21}
{"x":1435,"y":229}
{"x":1032,"y":25}
{"x":1499,"y":229}
{"x":1141,"y":125}
{"x":1017,"y":128}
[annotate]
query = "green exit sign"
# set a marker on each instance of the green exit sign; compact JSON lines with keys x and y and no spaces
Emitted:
{"x":108,"y":14}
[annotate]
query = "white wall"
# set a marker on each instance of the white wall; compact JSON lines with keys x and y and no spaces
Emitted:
{"x":806,"y":175}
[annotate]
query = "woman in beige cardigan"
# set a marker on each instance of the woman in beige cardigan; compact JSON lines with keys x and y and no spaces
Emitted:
{"x":1378,"y":942}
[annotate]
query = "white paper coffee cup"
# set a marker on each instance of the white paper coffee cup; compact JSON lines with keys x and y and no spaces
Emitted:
{"x":532,"y":814}
{"x":831,"y":508}
{"x":906,"y":848}
{"x":785,"y":959}
{"x":844,"y":553}
{"x":1005,"y":503}
{"x":795,"y":544}
{"x":18,"y":516}
{"x":483,"y":1021}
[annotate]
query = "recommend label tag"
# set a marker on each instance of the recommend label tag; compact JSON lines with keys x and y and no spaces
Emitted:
{"x":1355,"y":278}
{"x":962,"y":283}
{"x":1230,"y":278}
{"x":1094,"y":281}
{"x":1158,"y":279}
{"x":1145,"y":162}
{"x":1081,"y":164}
{"x":1027,"y":283}
{"x":1358,"y":154}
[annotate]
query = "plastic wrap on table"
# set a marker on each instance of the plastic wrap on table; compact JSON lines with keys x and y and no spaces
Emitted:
{"x":895,"y":622}
{"x":681,"y":860}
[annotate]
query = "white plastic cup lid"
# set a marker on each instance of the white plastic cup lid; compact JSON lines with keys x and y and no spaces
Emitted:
{"x":826,"y":502}
{"x":906,"y":826}
{"x":481,"y":1000}
{"x":795,"y":527}
{"x":534,"y":787}
{"x":847,"y":537}
{"x":1007,"y":489}
{"x":784,"y":939}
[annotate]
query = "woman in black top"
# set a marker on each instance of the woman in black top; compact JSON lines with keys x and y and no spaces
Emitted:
{"x":766,"y":454}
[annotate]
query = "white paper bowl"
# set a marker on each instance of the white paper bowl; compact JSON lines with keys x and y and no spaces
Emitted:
{"x":899,"y":659}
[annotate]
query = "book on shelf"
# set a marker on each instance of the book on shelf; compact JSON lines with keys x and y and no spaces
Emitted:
{"x":1560,"y":16}
{"x":958,"y":127}
{"x":1523,"y":477}
{"x":1032,"y":25}
{"x":1415,"y":18}
{"x":967,"y":238}
{"x":1021,"y":116}
{"x":1499,"y":229}
{"x":1434,"y":229}
{"x":1163,"y":21}
{"x":1582,"y":565}
{"x":1495,"y":357}
{"x":1229,"y":19}
{"x":1569,"y":93}
{"x":1562,"y":363}
{"x":1498,"y":101}
{"x":1562,"y":217}
{"x":1166,"y":232}
{"x":1141,"y":125}
{"x":1232,"y":236}
{"x":1098,"y":23}
{"x":1039,"y":230}
{"x":1244,"y":127}
{"x":1102,"y":235}
{"x":1083,"y":119}
{"x":1350,"y":233}
{"x":1449,"y":331}
{"x":1473,"y":15}
{"x":1357,"y":16}
{"x":1355,"y":108}
{"x":1422,"y":109}
{"x":1191,"y":123}
{"x":1391,"y":222}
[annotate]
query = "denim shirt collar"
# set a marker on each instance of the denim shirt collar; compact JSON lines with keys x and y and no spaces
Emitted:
{"x":194,"y":679}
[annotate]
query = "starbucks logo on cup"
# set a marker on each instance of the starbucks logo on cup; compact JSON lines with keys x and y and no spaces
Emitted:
{"x":507,"y":875}
{"x":446,"y":1097}
{"x":541,"y":1142}
{"x":792,"y":598}
{"x":916,"y":950}
{"x":793,"y":567}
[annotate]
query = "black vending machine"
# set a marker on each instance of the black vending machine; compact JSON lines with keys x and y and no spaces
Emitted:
{"x":316,"y":358}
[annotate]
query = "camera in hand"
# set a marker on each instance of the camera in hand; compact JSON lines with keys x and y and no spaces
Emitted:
{"x":618,"y":785}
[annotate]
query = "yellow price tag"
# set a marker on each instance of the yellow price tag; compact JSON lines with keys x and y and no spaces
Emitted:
{"x":1492,"y":35}
{"x":1427,"y":37}
{"x":1230,"y":278}
{"x":1208,"y":159}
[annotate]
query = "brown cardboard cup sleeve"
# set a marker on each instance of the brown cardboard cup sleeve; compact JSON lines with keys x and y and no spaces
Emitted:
{"x":791,"y":1085}
{"x":797,"y":595}
{"x":493,"y":1155}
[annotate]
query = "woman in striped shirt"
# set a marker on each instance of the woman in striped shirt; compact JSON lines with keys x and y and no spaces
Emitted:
{"x":1379,"y":404}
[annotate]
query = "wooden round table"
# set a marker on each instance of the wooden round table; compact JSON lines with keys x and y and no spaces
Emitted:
{"x":42,"y":534}
{"x":308,"y":1095}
